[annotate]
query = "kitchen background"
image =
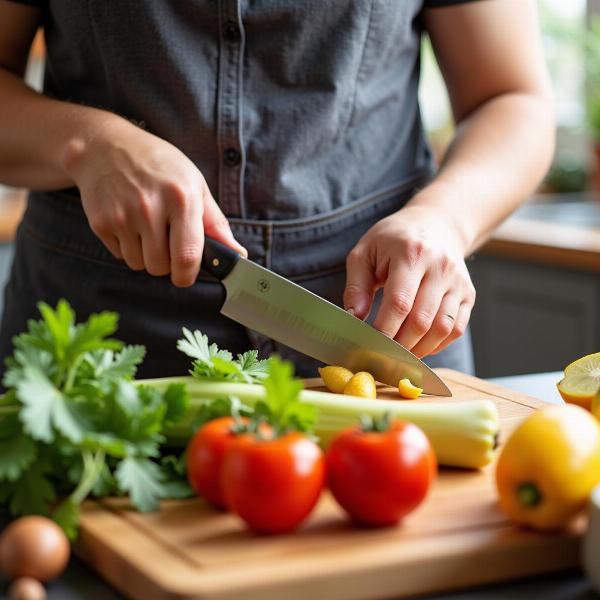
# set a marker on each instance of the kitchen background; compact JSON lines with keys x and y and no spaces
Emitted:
{"x":538,"y":304}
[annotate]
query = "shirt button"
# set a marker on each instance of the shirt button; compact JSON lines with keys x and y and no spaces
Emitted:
{"x":231,"y":31}
{"x":232,"y":157}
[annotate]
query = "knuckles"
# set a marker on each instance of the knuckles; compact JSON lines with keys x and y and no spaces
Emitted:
{"x":415,"y":250}
{"x":355,"y":256}
{"x":444,"y":326}
{"x":421,"y":322}
{"x":179,"y":195}
{"x":400,"y":303}
{"x":187,"y":258}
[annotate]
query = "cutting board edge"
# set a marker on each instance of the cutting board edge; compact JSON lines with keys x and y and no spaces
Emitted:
{"x":317,"y":579}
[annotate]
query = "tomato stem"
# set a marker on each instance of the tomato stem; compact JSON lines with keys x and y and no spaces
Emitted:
{"x":529,"y":494}
{"x":370,"y":424}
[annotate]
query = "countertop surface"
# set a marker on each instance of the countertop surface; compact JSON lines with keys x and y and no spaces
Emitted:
{"x":81,"y":583}
{"x":559,"y":231}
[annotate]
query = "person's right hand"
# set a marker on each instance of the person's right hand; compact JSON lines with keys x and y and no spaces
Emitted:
{"x":146,"y":201}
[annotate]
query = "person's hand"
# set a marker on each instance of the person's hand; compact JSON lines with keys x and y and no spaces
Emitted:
{"x":146,"y":201}
{"x":417,"y":256}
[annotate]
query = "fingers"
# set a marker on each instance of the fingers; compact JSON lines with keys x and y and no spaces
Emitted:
{"x":155,"y":249}
{"x":130,"y":245}
{"x":188,"y":227}
{"x":425,"y":307}
{"x":217,"y":226}
{"x":442,"y":326}
{"x":186,"y":242}
{"x":398,"y":298}
{"x":360,"y":284}
{"x":161,"y":231}
{"x":460,"y":326}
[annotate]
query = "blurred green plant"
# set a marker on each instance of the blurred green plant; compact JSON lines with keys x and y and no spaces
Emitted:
{"x":592,"y":42}
{"x":566,"y":177}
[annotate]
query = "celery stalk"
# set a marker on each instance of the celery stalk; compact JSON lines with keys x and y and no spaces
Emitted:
{"x":463,"y":434}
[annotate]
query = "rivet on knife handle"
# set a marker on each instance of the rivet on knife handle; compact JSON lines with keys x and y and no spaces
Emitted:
{"x":218,"y":259}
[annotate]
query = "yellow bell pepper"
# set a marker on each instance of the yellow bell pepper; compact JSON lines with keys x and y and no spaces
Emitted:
{"x":549,"y":466}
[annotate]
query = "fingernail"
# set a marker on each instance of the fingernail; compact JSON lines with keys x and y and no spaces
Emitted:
{"x":351,"y":311}
{"x":244,"y":252}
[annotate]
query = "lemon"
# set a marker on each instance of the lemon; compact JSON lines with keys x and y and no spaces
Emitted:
{"x":361,"y":384}
{"x":581,"y":381}
{"x":408,"y":390}
{"x":335,"y":378}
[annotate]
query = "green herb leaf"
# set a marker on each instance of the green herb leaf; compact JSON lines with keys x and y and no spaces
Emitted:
{"x":92,"y":334}
{"x":196,"y":345}
{"x":17,"y":452}
{"x":221,"y":407}
{"x":142,"y":479}
{"x":177,"y":490}
{"x":45,"y":406}
{"x":67,"y":516}
{"x":108,"y":365}
{"x":253,"y":368}
{"x":176,"y":398}
{"x":281,"y":405}
{"x":212,"y":364}
{"x":32,"y":493}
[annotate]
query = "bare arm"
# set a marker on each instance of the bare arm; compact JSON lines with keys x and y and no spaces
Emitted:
{"x":489,"y":53}
{"x":491,"y":58}
{"x":144,"y":199}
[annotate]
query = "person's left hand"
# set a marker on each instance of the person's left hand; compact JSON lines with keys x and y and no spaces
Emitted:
{"x":417,"y":256}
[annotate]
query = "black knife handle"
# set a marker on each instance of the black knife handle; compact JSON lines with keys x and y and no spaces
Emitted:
{"x":218,"y":259}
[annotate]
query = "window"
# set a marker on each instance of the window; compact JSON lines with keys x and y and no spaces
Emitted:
{"x":564,"y":33}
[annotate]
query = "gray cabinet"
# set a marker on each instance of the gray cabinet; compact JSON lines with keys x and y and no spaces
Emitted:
{"x":531,"y":318}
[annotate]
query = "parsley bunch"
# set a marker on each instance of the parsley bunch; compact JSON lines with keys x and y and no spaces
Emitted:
{"x":212,"y":364}
{"x":281,"y":407}
{"x":72,"y":422}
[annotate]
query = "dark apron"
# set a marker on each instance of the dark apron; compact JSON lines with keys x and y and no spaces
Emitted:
{"x":304,"y":122}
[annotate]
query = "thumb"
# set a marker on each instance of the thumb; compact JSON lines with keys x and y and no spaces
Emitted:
{"x":360,"y":284}
{"x":217,"y":226}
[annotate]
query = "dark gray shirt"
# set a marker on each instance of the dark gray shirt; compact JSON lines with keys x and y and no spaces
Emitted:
{"x":290,"y":108}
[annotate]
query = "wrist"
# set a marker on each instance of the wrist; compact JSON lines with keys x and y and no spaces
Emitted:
{"x":444,"y":200}
{"x":90,"y":140}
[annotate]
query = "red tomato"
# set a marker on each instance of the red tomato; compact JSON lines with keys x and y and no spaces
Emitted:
{"x":273,"y":484}
{"x":205,"y":455}
{"x":379,"y":477}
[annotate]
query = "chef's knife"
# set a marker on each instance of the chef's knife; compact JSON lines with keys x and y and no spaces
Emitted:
{"x":270,"y":304}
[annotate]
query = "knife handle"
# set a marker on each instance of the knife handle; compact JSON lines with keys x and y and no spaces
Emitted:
{"x":218,"y":259}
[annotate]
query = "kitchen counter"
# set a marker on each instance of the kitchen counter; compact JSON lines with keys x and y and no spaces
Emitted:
{"x":559,"y":231}
{"x":80,"y":582}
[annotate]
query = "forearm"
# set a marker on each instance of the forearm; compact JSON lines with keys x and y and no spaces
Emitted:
{"x":500,"y":153}
{"x":38,"y":131}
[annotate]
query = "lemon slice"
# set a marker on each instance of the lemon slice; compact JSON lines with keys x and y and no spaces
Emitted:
{"x":409,"y":391}
{"x":582,"y":381}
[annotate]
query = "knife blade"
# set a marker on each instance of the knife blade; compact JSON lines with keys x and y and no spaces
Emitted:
{"x":286,"y":312}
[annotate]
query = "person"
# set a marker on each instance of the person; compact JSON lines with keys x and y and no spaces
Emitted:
{"x":289,"y":131}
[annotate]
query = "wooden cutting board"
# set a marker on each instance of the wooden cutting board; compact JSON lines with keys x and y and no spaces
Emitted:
{"x":457,"y":538}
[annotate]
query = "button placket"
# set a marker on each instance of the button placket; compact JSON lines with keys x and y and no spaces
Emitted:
{"x":230,"y":145}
